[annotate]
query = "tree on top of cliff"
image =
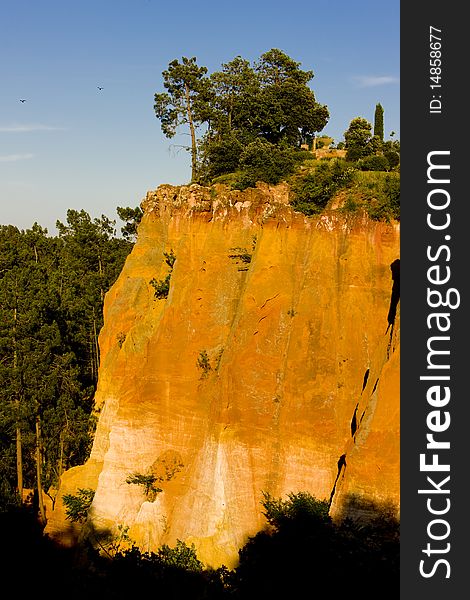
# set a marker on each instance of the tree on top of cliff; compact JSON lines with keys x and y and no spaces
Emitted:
{"x":234,"y":88}
{"x":287,"y":108}
{"x":359,"y":139}
{"x":268,"y":103}
{"x":242,"y":104}
{"x":185,"y":101}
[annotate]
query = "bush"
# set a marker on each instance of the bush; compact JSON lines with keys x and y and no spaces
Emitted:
{"x":392,"y":193}
{"x":161,"y":287}
{"x":263,"y":161}
{"x":147,"y":482}
{"x":354,"y":153}
{"x":380,"y":195}
{"x":393,"y":158}
{"x":221,"y":157}
{"x":304,"y":549}
{"x":374,"y":163}
{"x":203,"y":363}
{"x":350,"y":206}
{"x":300,"y":507}
{"x":312,"y":191}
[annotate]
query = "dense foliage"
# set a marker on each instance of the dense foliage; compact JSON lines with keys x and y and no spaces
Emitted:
{"x":260,"y":122}
{"x":51,"y":297}
{"x":253,"y":117}
{"x":313,"y":190}
{"x":300,"y":553}
{"x":359,"y":140}
{"x":376,"y":193}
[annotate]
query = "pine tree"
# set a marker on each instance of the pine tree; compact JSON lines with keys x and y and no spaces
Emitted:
{"x":184,"y":102}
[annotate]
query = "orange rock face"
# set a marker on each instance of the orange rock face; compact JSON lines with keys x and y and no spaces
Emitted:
{"x":272,"y":366}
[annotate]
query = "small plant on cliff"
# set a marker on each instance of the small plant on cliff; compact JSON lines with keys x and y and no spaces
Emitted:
{"x":162,"y":286}
{"x":77,"y":506}
{"x":203,"y":363}
{"x":147,"y":482}
{"x":170,"y":258}
{"x":240,"y":255}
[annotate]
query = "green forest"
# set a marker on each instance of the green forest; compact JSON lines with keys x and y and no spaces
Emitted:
{"x":51,"y":311}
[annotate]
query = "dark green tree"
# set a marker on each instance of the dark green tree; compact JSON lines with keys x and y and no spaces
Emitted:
{"x":302,"y":544}
{"x":269,"y":104}
{"x":312,"y":191}
{"x":287,"y":108}
{"x":276,"y":67}
{"x":51,"y":298}
{"x":358,"y":139}
{"x":234,"y":89}
{"x":91,"y":260}
{"x":264,"y":161}
{"x":185,"y":102}
{"x":35,"y":369}
{"x":379,"y":122}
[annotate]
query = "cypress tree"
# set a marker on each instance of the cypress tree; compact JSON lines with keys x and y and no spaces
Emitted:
{"x":379,"y":122}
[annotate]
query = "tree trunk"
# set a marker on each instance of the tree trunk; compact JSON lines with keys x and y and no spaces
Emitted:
{"x":97,"y":348}
{"x":100,"y":270}
{"x":19,"y":460}
{"x":19,"y":449}
{"x":42,"y":510}
{"x":230,"y":111}
{"x":193,"y":136}
{"x":60,"y":462}
{"x":92,"y":358}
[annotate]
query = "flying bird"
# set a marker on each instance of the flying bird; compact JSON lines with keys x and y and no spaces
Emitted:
{"x":22,"y":100}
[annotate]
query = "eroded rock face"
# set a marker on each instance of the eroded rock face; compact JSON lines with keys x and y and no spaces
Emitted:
{"x":272,"y":366}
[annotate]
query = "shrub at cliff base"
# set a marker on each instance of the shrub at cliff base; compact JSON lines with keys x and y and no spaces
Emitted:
{"x":300,"y":553}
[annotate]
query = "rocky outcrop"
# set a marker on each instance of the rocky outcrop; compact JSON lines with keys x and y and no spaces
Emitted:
{"x":271,"y":366}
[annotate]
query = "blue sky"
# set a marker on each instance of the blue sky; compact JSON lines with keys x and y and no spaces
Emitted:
{"x":71,"y":145}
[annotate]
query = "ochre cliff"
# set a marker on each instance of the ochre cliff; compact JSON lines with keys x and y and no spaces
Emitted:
{"x":299,"y":321}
